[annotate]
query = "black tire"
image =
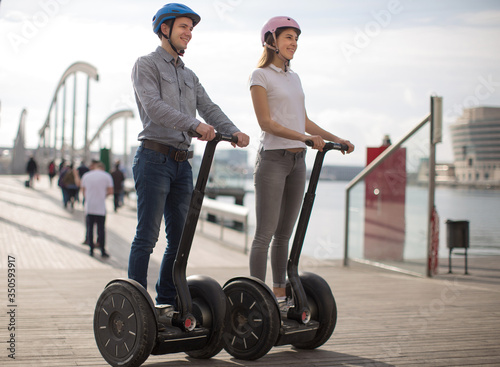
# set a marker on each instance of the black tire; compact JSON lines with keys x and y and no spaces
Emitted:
{"x":253,"y":320}
{"x":209,"y":309}
{"x":323,"y":309}
{"x":124,"y":325}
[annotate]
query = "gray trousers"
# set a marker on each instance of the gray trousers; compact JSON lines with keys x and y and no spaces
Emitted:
{"x":279,"y":179}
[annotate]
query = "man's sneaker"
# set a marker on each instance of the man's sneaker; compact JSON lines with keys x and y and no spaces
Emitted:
{"x":284,"y":305}
{"x":164,"y":313}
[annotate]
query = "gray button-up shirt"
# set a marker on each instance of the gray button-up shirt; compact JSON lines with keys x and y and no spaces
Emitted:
{"x":168,"y":97}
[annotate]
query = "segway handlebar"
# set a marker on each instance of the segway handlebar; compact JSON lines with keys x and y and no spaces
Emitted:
{"x":218,"y":136}
{"x":330,"y":145}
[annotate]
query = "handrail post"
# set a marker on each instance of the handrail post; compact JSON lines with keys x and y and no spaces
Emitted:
{"x":435,"y":137}
{"x":346,"y":228}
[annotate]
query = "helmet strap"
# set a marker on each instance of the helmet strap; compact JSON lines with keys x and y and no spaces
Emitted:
{"x":179,"y":52}
{"x":275,"y":49}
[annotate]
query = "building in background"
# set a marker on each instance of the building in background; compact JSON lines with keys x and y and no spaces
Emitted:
{"x":476,"y":146}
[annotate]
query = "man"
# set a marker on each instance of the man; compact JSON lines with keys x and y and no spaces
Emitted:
{"x":118,"y":179}
{"x":168,"y":95}
{"x":32,"y":169}
{"x":96,"y":184}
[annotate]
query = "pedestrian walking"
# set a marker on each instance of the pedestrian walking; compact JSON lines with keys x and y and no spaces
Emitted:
{"x":32,"y":170}
{"x":52,"y":171}
{"x":96,"y":185}
{"x":69,"y":181}
{"x":118,"y":180}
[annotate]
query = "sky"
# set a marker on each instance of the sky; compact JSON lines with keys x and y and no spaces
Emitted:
{"x":368,"y":67}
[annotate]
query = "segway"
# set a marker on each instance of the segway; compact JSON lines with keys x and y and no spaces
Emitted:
{"x":255,"y":322}
{"x":126,"y":324}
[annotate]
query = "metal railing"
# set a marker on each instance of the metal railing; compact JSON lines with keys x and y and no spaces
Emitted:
{"x":434,"y":121}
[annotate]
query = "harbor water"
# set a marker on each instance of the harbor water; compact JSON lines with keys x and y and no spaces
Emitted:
{"x":325,"y":233}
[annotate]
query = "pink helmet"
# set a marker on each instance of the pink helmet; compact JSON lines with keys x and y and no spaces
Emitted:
{"x":278,"y":22}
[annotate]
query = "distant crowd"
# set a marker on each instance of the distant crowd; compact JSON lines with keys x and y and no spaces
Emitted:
{"x":94,"y":183}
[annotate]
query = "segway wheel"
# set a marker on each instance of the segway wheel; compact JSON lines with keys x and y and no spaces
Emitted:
{"x":323,"y":309}
{"x":209,"y":309}
{"x":253,"y":320}
{"x":124,"y":325}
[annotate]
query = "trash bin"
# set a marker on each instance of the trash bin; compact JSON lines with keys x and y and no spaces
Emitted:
{"x":457,"y":236}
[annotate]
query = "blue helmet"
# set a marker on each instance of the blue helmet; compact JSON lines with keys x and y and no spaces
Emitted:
{"x":171,"y":11}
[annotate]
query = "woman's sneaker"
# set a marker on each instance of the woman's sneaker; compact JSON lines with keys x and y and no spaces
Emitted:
{"x":284,"y":305}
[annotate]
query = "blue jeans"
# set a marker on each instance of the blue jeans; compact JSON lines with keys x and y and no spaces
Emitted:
{"x":163,"y":188}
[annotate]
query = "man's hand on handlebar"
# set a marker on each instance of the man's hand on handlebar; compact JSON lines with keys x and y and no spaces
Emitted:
{"x":207,"y":132}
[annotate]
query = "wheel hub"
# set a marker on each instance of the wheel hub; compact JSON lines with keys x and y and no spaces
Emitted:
{"x":119,"y":326}
{"x":241,"y":319}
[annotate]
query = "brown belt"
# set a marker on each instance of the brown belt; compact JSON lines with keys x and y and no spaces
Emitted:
{"x":295,"y":150}
{"x":175,"y":154}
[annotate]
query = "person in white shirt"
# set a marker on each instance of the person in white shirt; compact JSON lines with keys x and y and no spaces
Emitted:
{"x":96,"y":185}
{"x":280,"y":171}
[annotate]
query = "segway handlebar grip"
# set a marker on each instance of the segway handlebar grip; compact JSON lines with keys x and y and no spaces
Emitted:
{"x":218,"y":136}
{"x":329,"y":145}
{"x":230,"y":138}
{"x":339,"y":146}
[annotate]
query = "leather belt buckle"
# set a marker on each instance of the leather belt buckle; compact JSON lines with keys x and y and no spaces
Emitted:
{"x":180,"y":155}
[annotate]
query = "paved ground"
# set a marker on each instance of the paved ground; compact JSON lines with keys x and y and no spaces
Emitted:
{"x":385,"y":319}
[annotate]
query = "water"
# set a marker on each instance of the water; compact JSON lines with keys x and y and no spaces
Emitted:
{"x":325,"y":234}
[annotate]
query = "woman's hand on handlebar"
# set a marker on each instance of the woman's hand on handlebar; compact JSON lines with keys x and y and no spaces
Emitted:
{"x":317,"y":141}
{"x":349,"y":144}
{"x":243,"y":140}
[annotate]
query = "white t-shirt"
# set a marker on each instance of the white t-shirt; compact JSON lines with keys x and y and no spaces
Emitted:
{"x":286,"y":104}
{"x":96,"y":183}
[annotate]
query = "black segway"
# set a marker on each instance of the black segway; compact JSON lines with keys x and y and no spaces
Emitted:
{"x":126,"y":327}
{"x":255,"y":323}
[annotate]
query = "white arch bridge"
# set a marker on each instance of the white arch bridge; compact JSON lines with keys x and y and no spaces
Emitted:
{"x":60,"y":138}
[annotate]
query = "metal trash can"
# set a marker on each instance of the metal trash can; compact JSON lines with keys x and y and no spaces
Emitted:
{"x":457,"y":236}
{"x":457,"y":233}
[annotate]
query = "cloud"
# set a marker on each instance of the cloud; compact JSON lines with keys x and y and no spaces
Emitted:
{"x":487,"y":18}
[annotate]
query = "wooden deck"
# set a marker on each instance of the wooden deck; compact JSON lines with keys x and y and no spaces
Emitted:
{"x":384,"y":318}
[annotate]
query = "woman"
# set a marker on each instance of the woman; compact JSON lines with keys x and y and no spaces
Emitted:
{"x":69,"y":181}
{"x":280,"y":171}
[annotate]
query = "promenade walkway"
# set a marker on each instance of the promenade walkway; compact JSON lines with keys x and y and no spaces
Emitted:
{"x":384,"y":318}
